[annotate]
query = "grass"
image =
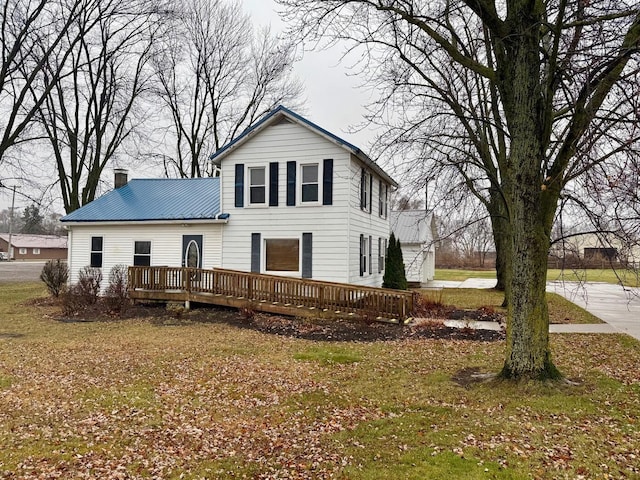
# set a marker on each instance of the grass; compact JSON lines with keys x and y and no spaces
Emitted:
{"x":561,"y":310}
{"x":147,"y":399}
{"x":627,"y":277}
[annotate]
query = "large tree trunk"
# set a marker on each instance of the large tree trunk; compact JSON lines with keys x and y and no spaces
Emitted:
{"x":499,"y":228}
{"x":530,"y":215}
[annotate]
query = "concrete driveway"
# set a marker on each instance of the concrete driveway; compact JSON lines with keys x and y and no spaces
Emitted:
{"x":616,"y":305}
{"x":20,"y":271}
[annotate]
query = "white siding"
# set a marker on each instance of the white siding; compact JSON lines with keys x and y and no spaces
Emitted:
{"x":429,"y":268}
{"x":412,"y":256}
{"x":118,"y":245}
{"x":328,"y":224}
{"x":368,"y":224}
{"x":419,"y":262}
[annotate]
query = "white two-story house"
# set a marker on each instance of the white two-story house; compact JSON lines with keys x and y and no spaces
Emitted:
{"x":291,"y":199}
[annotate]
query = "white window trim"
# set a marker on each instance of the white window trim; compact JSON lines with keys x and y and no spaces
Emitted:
{"x":364,"y":258}
{"x":36,"y":251}
{"x":383,"y":199}
{"x":248,"y":203}
{"x":22,"y":251}
{"x":367,"y":195}
{"x":382,"y":254}
{"x":133,"y":250}
{"x":299,"y":202}
{"x":91,"y":251}
{"x":285,"y":273}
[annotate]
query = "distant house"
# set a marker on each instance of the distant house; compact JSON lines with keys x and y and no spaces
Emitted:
{"x":292,"y":199}
{"x":416,"y":230}
{"x":34,"y":247}
{"x":597,"y":250}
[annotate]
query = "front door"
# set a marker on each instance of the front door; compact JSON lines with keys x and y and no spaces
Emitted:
{"x":192,"y":251}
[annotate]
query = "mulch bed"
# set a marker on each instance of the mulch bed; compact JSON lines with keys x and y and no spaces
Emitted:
{"x":309,"y":329}
{"x":359,"y":331}
{"x":431,"y":326}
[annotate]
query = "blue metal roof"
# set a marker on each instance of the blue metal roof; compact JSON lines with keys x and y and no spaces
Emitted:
{"x":155,"y":199}
{"x":280,"y":110}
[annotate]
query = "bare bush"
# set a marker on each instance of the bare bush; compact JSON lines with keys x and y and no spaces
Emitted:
{"x":55,"y":275}
{"x":116,"y":296}
{"x":88,"y":286}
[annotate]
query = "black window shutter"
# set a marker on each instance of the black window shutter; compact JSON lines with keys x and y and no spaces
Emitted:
{"x":380,"y":194}
{"x":362,"y":187}
{"x":370,"y":193}
{"x":327,"y":182}
{"x":307,"y":255}
{"x":255,"y":252}
{"x":291,"y":184}
{"x":239,"y":185}
{"x":379,"y":255}
{"x":361,"y":255}
{"x":370,"y":256}
{"x":273,"y":184}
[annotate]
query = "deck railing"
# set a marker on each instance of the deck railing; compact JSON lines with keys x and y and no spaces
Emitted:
{"x":366,"y":302}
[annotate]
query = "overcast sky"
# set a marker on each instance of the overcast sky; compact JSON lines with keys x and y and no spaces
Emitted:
{"x":334,"y":98}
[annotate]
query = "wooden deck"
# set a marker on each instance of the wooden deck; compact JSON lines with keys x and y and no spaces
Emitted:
{"x":270,"y":293}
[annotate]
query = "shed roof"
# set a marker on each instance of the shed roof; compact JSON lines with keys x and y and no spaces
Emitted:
{"x":22,"y":240}
{"x":154,"y":199}
{"x":412,"y":226}
{"x":276,"y":115}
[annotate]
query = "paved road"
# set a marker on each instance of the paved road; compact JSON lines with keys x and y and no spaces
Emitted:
{"x":20,"y":271}
{"x":616,"y":305}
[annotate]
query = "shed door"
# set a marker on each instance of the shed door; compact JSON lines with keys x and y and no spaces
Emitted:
{"x":192,"y":251}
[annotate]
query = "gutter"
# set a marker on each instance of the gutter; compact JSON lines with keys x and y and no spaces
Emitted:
{"x":221,"y":218}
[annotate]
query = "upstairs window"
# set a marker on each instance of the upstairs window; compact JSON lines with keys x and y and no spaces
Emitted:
{"x":142,"y":254}
{"x":383,"y":194}
{"x":309,"y":182}
{"x":366,"y":185}
{"x":257,"y":186}
{"x":96,"y":252}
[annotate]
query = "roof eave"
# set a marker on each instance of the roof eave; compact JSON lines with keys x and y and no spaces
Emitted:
{"x":220,"y":218}
{"x":299,"y":120}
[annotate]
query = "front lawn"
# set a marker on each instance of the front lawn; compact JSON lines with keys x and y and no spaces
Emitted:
{"x":178,"y":398}
{"x":561,"y":310}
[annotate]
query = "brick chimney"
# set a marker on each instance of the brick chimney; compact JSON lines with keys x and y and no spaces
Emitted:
{"x":120,"y":177}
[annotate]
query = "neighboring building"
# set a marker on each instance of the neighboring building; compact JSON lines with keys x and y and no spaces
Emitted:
{"x":34,"y":247}
{"x":596,"y":250}
{"x":292,"y":199}
{"x":416,"y":230}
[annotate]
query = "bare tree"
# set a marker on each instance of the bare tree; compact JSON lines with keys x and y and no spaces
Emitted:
{"x":518,"y":98}
{"x":92,"y":109}
{"x":32,"y":33}
{"x":215,"y":77}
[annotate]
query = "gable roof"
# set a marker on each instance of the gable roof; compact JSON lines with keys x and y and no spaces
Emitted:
{"x":412,"y":226}
{"x":23,"y":240}
{"x":282,"y":112}
{"x":155,"y":199}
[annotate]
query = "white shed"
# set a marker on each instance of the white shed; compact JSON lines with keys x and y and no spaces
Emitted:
{"x":416,"y":230}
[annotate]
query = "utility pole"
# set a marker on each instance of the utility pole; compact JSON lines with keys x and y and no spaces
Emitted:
{"x":13,"y":201}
